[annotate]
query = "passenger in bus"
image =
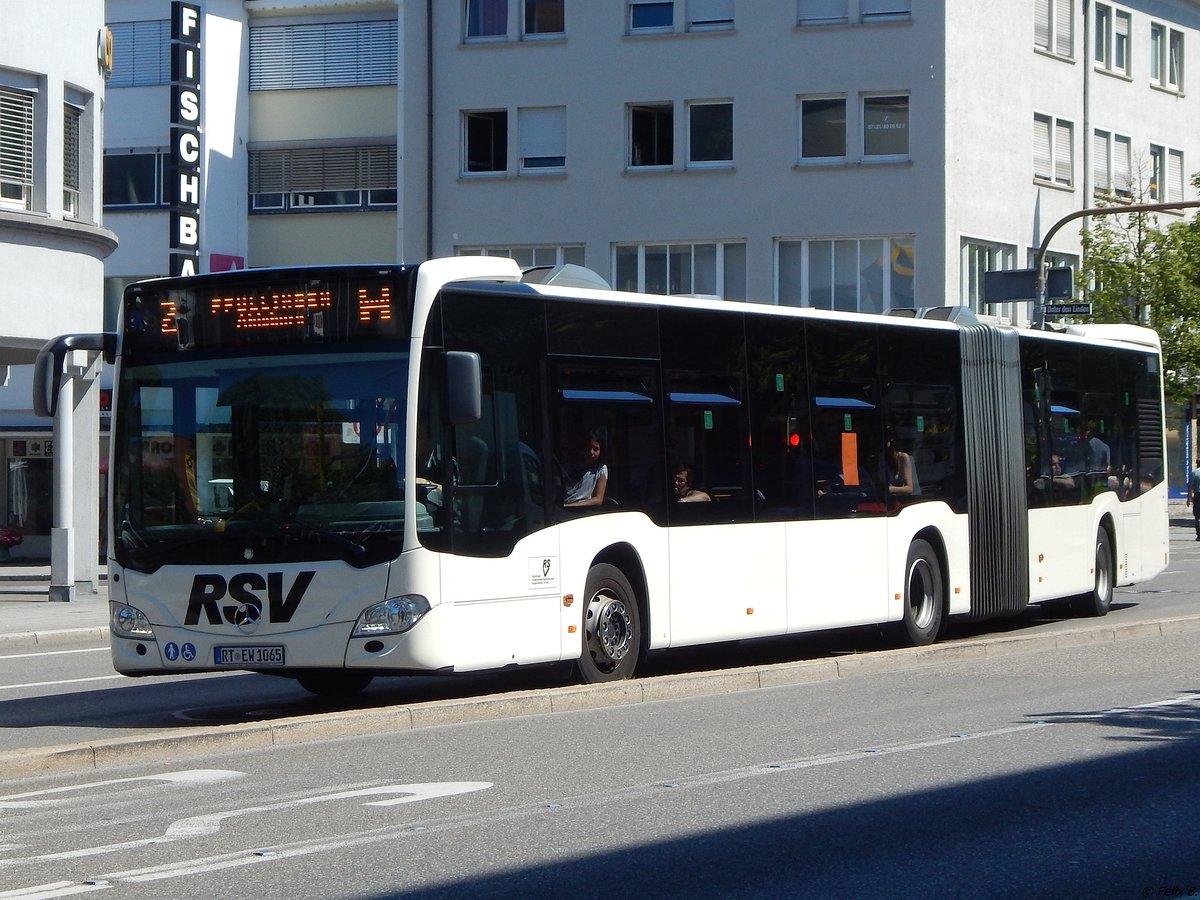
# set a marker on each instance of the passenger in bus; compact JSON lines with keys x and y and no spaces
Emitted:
{"x":685,"y":492}
{"x":902,"y":471}
{"x":590,"y":482}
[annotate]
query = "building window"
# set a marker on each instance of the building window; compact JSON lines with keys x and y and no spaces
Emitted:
{"x":651,"y":135}
{"x":543,"y":133}
{"x":532,"y":255}
{"x":487,"y":18}
{"x":1166,"y":173}
{"x":822,"y":12}
{"x":870,"y":274}
{"x":323,"y":55}
{"x":710,"y":133}
{"x":135,"y":179}
{"x":647,"y":16}
{"x":884,"y":10}
{"x":71,"y":152}
{"x":709,"y":15}
{"x":710,"y":269}
{"x":16,"y":149}
{"x":1112,"y":39}
{"x":885,"y":127}
{"x":1112,"y":170}
{"x":308,"y":179}
{"x":1053,"y":151}
{"x":1166,"y":57}
{"x":1053,"y":27}
{"x":979,"y":257}
{"x":543,"y":17}
{"x":822,"y":128}
{"x":141,"y":53}
{"x":485,"y":141}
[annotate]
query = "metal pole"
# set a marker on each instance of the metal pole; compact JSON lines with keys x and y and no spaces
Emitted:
{"x":1039,"y":262}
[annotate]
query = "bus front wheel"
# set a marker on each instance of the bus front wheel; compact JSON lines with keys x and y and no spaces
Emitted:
{"x":612,"y":627}
{"x":1099,"y":599}
{"x":923,"y":594}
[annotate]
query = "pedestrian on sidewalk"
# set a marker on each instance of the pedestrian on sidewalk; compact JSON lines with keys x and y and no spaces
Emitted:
{"x":1194,"y":496}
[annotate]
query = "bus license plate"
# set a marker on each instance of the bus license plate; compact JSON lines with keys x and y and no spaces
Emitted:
{"x":248,"y":656}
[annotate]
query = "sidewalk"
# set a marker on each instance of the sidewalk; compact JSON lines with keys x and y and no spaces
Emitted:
{"x":29,"y":619}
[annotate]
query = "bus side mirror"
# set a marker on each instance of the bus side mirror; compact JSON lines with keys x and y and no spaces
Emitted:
{"x":48,"y":367}
{"x":464,"y":386}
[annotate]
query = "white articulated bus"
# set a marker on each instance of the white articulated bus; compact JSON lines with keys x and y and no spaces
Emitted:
{"x":333,"y":473}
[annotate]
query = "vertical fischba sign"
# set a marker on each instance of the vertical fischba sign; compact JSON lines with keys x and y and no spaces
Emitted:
{"x":185,"y":158}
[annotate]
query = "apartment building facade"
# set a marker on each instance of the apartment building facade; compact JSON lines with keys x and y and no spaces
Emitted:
{"x":848,"y":154}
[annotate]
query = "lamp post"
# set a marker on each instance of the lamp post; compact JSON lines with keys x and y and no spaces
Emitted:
{"x":1039,"y":262}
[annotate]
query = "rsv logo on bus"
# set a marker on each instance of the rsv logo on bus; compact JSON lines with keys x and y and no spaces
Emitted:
{"x":245,"y":589}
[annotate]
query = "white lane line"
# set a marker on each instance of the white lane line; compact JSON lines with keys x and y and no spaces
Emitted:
{"x":182,"y":777}
{"x":41,"y":684}
{"x":42,"y":653}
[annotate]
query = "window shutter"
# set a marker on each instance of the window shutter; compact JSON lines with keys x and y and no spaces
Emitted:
{"x":1101,"y":171}
{"x":1063,"y":155}
{"x":1175,"y":175}
{"x":1122,"y":164}
{"x":710,"y":12}
{"x":16,"y":139}
{"x":1041,"y":23}
{"x":1064,"y":26}
{"x":1042,"y":163}
{"x":815,"y":12}
{"x":875,"y":8}
{"x":543,"y":136}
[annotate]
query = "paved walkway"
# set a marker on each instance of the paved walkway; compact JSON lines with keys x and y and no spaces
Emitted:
{"x":28,"y":618}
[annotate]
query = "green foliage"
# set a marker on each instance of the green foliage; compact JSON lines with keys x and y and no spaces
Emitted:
{"x":1137,"y":271}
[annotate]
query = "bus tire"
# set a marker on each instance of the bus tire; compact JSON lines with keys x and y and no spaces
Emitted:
{"x":1098,"y":601}
{"x":334,"y":682}
{"x":612,"y":627}
{"x":923,"y":595}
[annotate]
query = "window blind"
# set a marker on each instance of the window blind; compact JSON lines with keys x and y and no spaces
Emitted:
{"x":816,"y":12}
{"x":710,"y":12}
{"x":1042,"y":162}
{"x":141,"y":53}
{"x":323,"y":169}
{"x":1063,"y":157}
{"x":1101,"y":171}
{"x":543,"y":136}
{"x":16,"y":138}
{"x":328,"y":54}
{"x":71,"y":117}
{"x":1122,"y":163}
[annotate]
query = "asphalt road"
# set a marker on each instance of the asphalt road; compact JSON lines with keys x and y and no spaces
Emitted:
{"x":67,"y":695}
{"x":1059,"y":773}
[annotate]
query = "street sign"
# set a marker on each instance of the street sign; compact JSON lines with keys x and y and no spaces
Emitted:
{"x":1068,"y":309}
{"x":1015,"y":285}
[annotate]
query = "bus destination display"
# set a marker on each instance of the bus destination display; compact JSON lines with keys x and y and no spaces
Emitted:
{"x":241,"y":312}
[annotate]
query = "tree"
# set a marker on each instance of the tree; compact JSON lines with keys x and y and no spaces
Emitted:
{"x":1136,"y":271}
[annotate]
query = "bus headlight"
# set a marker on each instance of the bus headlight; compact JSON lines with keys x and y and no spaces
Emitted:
{"x":394,"y":616}
{"x":128,"y":622}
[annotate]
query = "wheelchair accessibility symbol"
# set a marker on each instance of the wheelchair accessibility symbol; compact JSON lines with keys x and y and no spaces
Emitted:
{"x":189,"y":652}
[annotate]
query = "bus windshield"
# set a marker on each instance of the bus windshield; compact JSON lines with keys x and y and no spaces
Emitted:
{"x":282,"y":457}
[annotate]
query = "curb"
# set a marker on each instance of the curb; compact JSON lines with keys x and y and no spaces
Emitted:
{"x":20,"y":640}
{"x":103,"y":754}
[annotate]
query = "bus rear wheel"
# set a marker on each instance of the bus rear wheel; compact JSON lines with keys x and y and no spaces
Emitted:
{"x":923,"y":594}
{"x":334,"y":682}
{"x":1099,"y":599}
{"x":612,"y":627}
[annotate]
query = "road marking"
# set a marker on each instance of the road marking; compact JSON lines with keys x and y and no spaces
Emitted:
{"x":182,"y":777}
{"x":103,"y":649}
{"x":200,"y":826}
{"x":40,"y":684}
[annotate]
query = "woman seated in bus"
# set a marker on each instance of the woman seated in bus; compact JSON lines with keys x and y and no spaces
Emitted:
{"x":590,"y":482}
{"x":684,"y":491}
{"x":902,"y":472}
